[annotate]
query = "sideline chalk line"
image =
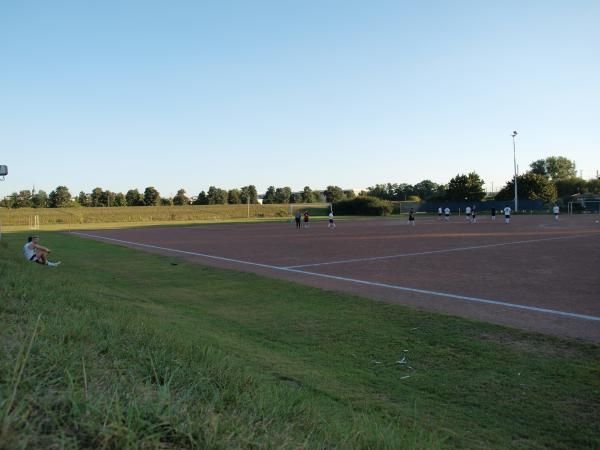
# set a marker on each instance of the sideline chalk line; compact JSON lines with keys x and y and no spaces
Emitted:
{"x":356,"y":281}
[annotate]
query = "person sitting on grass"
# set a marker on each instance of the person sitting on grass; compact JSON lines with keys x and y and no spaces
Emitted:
{"x":37,"y":253}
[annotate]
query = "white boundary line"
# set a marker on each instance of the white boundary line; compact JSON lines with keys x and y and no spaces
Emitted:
{"x":356,"y":281}
{"x":458,"y":249}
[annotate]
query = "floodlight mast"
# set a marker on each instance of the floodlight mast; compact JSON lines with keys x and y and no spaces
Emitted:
{"x":515,"y":163}
{"x":3,"y":172}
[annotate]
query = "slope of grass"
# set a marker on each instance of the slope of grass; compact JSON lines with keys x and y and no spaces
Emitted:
{"x":118,"y":349}
{"x":78,"y":217}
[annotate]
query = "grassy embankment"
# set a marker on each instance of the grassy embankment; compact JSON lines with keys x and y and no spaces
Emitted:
{"x":81,"y":218}
{"x":120,"y":349}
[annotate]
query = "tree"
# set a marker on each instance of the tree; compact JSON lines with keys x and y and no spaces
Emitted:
{"x":426,"y":189}
{"x":306,"y":195}
{"x":282,"y":195}
{"x":180,"y":198}
{"x":531,"y":186}
{"x":593,"y":186}
{"x":22,"y":199}
{"x":570,"y":186}
{"x":333,"y":194}
{"x":107,"y":198}
{"x":134,"y":198}
{"x":166,"y":202}
{"x":379,"y":191}
{"x":120,"y":199}
{"x":39,"y":199}
{"x":234,"y":197}
{"x":249,"y":193}
{"x":400,"y":191}
{"x":216,"y":196}
{"x":349,"y":194}
{"x":59,"y":197}
{"x":554,"y":168}
{"x":465,"y":187}
{"x":151,"y":196}
{"x":84,"y":199}
{"x":96,"y":198}
{"x":269,"y":196}
{"x":202,"y":199}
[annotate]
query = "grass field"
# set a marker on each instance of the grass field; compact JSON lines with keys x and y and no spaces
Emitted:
{"x":80,"y":217}
{"x":121,"y":349}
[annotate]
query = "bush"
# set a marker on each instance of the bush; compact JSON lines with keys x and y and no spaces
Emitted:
{"x":363,"y":206}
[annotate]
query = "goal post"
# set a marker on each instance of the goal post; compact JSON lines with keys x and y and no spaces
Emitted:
{"x":588,"y":206}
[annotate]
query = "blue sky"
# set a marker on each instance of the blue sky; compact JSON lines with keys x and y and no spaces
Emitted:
{"x":171,"y":94}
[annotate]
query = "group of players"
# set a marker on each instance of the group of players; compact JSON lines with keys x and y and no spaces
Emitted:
{"x":443,"y":214}
{"x":471,"y":213}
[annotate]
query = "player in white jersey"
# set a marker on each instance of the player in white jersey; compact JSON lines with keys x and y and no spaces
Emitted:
{"x":507,"y":214}
{"x":440,"y":213}
{"x":331,"y":222}
{"x":555,"y":211}
{"x":468,"y":213}
{"x":35,"y":252}
{"x":446,"y":214}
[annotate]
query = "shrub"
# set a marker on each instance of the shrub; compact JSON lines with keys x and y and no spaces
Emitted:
{"x":364,"y":206}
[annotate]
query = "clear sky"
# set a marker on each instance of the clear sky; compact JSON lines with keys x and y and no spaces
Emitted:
{"x":128,"y":94}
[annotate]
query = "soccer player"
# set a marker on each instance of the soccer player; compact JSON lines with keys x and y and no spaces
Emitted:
{"x":473,"y":214}
{"x":446,"y":214}
{"x":555,"y":211}
{"x":411,"y":217}
{"x":493,"y":210}
{"x":468,"y":213}
{"x":35,"y":252}
{"x":331,"y":222}
{"x":306,"y":219}
{"x":440,"y":213}
{"x":298,"y":216}
{"x":507,"y":214}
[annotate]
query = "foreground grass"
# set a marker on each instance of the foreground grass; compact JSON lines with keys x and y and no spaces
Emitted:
{"x":117,"y":349}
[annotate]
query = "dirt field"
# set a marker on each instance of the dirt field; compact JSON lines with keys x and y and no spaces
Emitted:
{"x":534,"y":273}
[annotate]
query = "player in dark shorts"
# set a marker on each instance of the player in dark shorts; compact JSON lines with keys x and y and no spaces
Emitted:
{"x":411,"y":217}
{"x":298,"y":216}
{"x":493,"y":210}
{"x":473,"y":214}
{"x":306,"y":219}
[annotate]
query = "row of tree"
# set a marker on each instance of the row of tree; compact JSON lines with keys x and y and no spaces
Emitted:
{"x":548,"y":180}
{"x":61,"y":197}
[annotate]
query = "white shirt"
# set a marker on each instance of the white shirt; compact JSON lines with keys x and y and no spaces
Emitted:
{"x":447,"y":210}
{"x":507,"y":211}
{"x":555,"y":210}
{"x":439,"y":210}
{"x":29,"y":251}
{"x":468,"y":210}
{"x":330,"y":216}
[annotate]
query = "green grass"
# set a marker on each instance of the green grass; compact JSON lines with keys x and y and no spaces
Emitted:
{"x":120,"y":349}
{"x":82,"y":218}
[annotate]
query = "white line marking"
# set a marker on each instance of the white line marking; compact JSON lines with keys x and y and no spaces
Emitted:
{"x":356,"y":281}
{"x":221,"y":258}
{"x":458,"y":249}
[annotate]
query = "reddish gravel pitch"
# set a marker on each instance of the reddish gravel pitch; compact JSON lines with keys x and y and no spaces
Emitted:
{"x":489,"y":271}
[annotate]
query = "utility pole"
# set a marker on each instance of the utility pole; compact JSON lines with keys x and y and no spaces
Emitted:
{"x":515,"y":163}
{"x":3,"y":173}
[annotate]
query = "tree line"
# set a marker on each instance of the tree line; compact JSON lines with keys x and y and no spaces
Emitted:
{"x":61,"y":197}
{"x":551,"y":179}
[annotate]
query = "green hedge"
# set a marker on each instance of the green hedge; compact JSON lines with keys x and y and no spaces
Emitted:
{"x":363,"y":206}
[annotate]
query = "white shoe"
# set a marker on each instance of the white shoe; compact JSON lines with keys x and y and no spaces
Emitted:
{"x":54,"y":264}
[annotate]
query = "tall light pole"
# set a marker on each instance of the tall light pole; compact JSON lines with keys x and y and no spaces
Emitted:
{"x":515,"y":162}
{"x":3,"y":173}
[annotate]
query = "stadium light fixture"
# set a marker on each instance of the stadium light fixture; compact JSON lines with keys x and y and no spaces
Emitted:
{"x":514,"y":133}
